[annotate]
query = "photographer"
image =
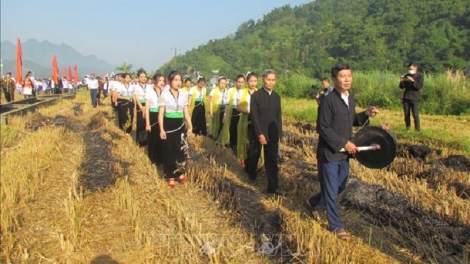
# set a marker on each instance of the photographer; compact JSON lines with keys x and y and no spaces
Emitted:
{"x":412,"y":82}
{"x":327,"y":88}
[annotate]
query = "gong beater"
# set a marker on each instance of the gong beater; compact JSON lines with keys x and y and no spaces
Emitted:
{"x":378,"y":147}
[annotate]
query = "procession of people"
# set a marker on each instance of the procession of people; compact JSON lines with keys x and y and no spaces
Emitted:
{"x":244,"y":119}
{"x":163,"y":112}
{"x":168,"y":109}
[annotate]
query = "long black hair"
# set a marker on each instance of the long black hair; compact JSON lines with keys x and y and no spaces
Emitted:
{"x":157,"y":76}
{"x":140,"y":72}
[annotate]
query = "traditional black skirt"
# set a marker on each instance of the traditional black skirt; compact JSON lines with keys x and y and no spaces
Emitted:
{"x":198,"y":119}
{"x":221,"y":124}
{"x":234,"y":129}
{"x":141,"y":134}
{"x":175,"y":147}
{"x":125,"y":115}
{"x":154,"y":141}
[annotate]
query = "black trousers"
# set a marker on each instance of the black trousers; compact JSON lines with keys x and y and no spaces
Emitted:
{"x":125,"y":115}
{"x":410,"y":107}
{"x":234,"y":129}
{"x":270,"y":156}
{"x":198,"y":119}
{"x":140,"y":133}
{"x":9,"y":95}
{"x":221,"y":124}
{"x":154,"y":141}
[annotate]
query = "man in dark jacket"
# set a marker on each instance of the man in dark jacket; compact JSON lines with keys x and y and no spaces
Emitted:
{"x":337,"y":116}
{"x":327,"y":88}
{"x":412,"y":82}
{"x":266,"y":124}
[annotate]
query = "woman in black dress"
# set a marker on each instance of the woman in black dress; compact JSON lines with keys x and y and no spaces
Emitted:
{"x":173,"y":113}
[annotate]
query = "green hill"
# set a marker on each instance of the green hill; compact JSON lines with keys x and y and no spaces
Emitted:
{"x":368,"y":34}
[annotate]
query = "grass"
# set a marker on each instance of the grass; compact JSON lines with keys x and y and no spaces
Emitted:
{"x":449,"y":132}
{"x":442,"y":94}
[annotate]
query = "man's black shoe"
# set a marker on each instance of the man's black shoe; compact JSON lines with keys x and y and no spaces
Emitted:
{"x":277,"y":192}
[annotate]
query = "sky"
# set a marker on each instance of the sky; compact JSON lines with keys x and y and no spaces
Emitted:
{"x":142,"y":32}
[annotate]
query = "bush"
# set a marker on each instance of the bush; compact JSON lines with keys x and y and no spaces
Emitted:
{"x":294,"y":86}
{"x":442,"y":94}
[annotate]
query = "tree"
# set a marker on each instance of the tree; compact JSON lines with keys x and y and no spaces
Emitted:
{"x":310,"y":38}
{"x":124,"y":67}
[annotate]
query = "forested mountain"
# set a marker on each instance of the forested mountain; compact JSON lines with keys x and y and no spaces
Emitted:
{"x":368,"y":34}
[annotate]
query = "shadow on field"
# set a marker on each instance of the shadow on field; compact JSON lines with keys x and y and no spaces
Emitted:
{"x":211,"y":174}
{"x":104,"y":259}
{"x":77,"y":108}
{"x":99,"y":168}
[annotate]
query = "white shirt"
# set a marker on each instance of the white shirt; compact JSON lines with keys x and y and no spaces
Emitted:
{"x":152,"y":96}
{"x":139,"y":91}
{"x":92,"y":83}
{"x":173,"y":104}
{"x":269,"y":91}
{"x":105,"y":85}
{"x":230,"y":91}
{"x":197,"y":93}
{"x":166,"y":88}
{"x":123,"y":91}
{"x":345,"y":98}
{"x":111,"y":85}
{"x":116,"y":86}
{"x":33,"y":80}
{"x":223,"y":98}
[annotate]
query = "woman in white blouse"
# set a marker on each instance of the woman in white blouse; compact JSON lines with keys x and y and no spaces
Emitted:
{"x":152,"y":98}
{"x":218,"y":99}
{"x":125,"y":100}
{"x":197,"y":96}
{"x":172,"y":115}
{"x":139,"y":98}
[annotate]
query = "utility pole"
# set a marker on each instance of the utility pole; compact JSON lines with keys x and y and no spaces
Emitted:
{"x":1,"y":67}
{"x":176,"y":51}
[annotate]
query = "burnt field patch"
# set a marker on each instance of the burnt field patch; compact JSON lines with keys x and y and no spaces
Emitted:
{"x":376,"y":195}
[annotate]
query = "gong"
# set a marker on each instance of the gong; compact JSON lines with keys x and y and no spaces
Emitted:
{"x":378,"y":147}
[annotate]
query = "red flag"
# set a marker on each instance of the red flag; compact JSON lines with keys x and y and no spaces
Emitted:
{"x":75,"y":74}
{"x":19,"y":62}
{"x":55,"y":70}
{"x":69,"y":76}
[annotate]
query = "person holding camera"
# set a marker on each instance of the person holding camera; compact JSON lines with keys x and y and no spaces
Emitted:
{"x":327,"y":88}
{"x":412,"y":83}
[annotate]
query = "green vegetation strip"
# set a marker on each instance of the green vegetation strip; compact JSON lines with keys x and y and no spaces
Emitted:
{"x":304,"y":110}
